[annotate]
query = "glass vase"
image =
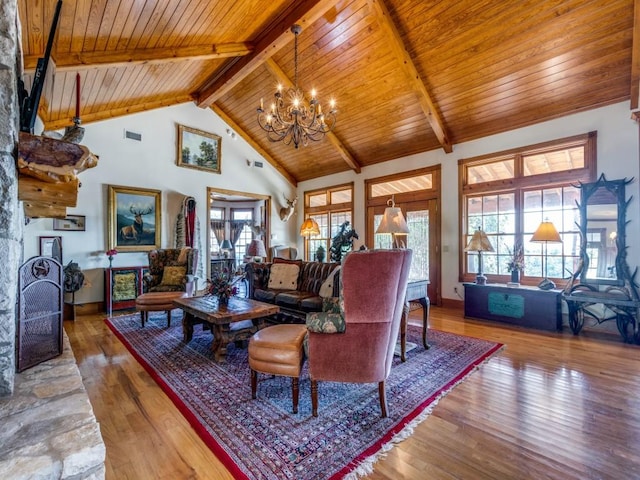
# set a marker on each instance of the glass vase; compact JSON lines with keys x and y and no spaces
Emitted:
{"x":515,"y":276}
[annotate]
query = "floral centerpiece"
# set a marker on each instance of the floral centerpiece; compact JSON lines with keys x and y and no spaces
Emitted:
{"x":110,"y":254}
{"x":223,"y":284}
{"x":516,"y":263}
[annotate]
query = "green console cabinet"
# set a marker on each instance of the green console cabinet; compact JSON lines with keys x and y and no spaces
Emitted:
{"x":523,"y":306}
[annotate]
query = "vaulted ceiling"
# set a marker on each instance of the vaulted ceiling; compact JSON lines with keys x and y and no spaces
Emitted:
{"x":408,"y":76}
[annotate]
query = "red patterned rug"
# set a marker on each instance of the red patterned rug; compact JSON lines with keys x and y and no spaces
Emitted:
{"x":262,"y":439}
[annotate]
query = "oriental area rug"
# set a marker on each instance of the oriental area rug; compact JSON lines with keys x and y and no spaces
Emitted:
{"x":262,"y":439}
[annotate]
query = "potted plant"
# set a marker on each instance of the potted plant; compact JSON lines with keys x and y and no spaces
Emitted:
{"x":320,"y":254}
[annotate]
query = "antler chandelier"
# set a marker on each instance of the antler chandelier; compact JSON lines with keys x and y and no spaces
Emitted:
{"x":291,"y":118}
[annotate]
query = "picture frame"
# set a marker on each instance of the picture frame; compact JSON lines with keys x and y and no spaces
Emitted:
{"x":70,"y":223}
{"x":50,"y":247}
{"x":134,"y":218}
{"x":199,"y":149}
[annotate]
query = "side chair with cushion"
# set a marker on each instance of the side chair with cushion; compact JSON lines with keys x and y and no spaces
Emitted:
{"x":354,"y":339}
{"x":170,"y":269}
{"x":283,"y":251}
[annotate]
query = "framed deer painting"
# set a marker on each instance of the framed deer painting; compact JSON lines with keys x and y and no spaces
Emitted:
{"x":134,"y":221}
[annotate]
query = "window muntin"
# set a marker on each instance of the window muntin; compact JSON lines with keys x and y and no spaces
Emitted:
{"x":510,"y":217}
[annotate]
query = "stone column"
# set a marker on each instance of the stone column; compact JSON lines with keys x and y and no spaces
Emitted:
{"x":11,"y":219}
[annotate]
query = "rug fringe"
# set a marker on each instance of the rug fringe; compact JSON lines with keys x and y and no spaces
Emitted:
{"x":366,"y":466}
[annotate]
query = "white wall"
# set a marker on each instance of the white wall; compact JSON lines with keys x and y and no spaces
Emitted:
{"x":152,"y":164}
{"x":617,"y":158}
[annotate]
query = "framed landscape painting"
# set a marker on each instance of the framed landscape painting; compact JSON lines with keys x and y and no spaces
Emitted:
{"x":198,"y":149}
{"x":134,"y":220}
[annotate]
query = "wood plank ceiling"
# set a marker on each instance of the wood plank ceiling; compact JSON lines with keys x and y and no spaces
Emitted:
{"x":408,"y":76}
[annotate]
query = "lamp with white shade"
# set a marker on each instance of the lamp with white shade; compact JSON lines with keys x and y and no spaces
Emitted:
{"x":479,"y":243}
{"x":393,"y":222}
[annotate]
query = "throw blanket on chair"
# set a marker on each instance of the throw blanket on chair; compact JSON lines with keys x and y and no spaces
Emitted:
{"x":188,"y":231}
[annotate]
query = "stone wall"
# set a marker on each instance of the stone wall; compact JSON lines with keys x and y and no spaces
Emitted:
{"x":11,"y":220}
{"x":48,"y":426}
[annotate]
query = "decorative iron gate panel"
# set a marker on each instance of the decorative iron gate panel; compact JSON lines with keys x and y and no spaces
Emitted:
{"x":40,"y":305}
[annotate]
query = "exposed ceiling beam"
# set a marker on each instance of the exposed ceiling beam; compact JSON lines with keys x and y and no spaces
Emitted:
{"x":116,"y":112}
{"x":279,"y":75}
{"x":285,"y":173}
{"x":272,"y":39}
{"x":635,"y":57}
{"x":84,"y":60}
{"x":417,"y":85}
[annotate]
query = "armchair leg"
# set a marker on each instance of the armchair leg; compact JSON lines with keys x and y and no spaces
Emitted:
{"x":314,"y":398}
{"x":254,"y":383}
{"x":383,"y":399}
{"x":168,"y":318}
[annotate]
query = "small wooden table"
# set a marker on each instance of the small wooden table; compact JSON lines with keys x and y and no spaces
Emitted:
{"x":236,"y":321}
{"x":416,"y":292}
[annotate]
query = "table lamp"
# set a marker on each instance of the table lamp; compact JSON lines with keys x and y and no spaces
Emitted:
{"x":479,"y":243}
{"x":393,"y":222}
{"x":309,"y":228}
{"x":546,"y":233}
{"x":226,"y":247}
{"x":257,"y":250}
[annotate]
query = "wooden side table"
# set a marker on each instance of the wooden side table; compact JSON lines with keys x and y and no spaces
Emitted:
{"x":416,"y":292}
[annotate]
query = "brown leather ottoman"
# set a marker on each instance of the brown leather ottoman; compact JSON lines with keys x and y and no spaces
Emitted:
{"x":277,"y":350}
{"x":157,"y":302}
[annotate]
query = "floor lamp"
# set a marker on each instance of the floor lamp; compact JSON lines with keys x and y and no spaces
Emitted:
{"x":546,"y":233}
{"x":393,"y":222}
{"x":479,"y":243}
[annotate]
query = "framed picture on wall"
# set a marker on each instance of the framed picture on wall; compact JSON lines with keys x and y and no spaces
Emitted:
{"x":134,"y":219}
{"x":51,"y":247}
{"x":198,"y":149}
{"x":70,"y":223}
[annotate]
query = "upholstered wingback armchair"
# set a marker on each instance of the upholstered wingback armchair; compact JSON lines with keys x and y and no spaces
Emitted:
{"x":170,"y":269}
{"x":355,"y":342}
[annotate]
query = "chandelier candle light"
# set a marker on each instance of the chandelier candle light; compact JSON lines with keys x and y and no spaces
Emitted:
{"x":479,"y":243}
{"x":291,"y":118}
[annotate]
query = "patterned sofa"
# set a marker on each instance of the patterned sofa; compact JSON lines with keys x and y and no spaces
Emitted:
{"x":300,"y":295}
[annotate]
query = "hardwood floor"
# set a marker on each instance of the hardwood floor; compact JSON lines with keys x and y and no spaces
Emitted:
{"x":549,"y":405}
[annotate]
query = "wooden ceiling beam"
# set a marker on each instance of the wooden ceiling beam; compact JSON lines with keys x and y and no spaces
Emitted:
{"x":117,"y":112}
{"x":270,"y":41}
{"x":635,"y":58}
{"x":84,"y":60}
{"x":285,"y":173}
{"x":282,"y":77}
{"x":416,"y":84}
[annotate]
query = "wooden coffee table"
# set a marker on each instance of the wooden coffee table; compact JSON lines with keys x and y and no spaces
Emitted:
{"x":236,"y":321}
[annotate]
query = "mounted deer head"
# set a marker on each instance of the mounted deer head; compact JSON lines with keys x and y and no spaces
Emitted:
{"x":286,"y":212}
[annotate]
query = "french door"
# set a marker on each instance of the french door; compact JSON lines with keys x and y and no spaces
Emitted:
{"x":422,"y":219}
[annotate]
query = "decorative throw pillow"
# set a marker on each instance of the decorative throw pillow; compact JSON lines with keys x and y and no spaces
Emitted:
{"x":173,"y":276}
{"x":322,"y":322}
{"x":331,"y":305}
{"x":326,"y":289}
{"x":284,"y":276}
